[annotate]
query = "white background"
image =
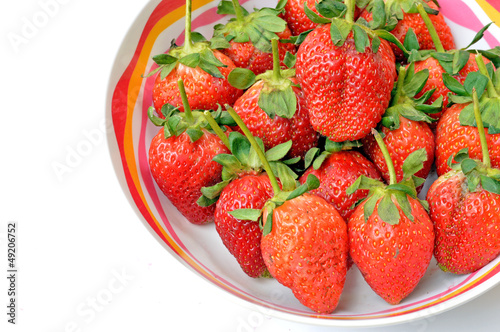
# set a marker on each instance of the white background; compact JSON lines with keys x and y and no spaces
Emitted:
{"x":86,"y":262}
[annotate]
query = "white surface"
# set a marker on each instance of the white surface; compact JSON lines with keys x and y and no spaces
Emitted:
{"x":86,"y":263}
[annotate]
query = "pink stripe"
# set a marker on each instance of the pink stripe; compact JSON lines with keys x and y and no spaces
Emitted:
{"x":459,"y":13}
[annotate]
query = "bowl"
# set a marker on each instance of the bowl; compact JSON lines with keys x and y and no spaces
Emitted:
{"x":199,"y":248}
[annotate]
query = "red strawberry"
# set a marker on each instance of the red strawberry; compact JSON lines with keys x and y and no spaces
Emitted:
{"x":338,"y":172}
{"x":464,"y":205}
{"x":180,"y":160}
{"x":390,"y":234}
{"x":297,"y":19}
{"x":347,"y":89}
{"x":246,"y":48}
{"x":307,"y":250}
{"x":304,"y":239}
{"x":242,"y":237}
{"x":457,"y":128}
{"x":276,"y":122}
{"x":407,"y":18}
{"x":405,"y":127}
{"x":203,"y":70}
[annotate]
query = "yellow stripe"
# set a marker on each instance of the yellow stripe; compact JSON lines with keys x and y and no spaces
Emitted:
{"x":492,"y":13}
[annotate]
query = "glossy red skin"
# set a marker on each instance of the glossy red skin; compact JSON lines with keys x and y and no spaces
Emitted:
{"x":204,"y":91}
{"x":392,"y":258}
{"x":415,"y":22}
{"x":337,"y":173}
{"x":297,"y":19}
{"x":408,"y":138}
{"x":435,"y":80}
{"x":347,"y":92}
{"x":452,"y":137}
{"x":245,"y":55}
{"x":307,"y":251}
{"x":242,"y":237}
{"x":466,"y":224}
{"x":278,"y":130}
{"x":181,"y":169}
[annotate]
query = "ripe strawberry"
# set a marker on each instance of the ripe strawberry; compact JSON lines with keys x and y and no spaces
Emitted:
{"x":203,"y":70}
{"x":457,"y":128}
{"x":242,"y":237}
{"x":304,"y":239}
{"x":390,"y":234}
{"x":338,"y":171}
{"x":274,"y":109}
{"x":408,"y":18}
{"x":464,"y":205}
{"x":347,"y":84}
{"x":180,"y":160}
{"x":247,"y":49}
{"x":297,"y":19}
{"x":405,"y":127}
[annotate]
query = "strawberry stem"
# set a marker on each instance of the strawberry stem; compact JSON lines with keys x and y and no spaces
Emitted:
{"x":216,"y":128}
{"x":185,"y":103}
{"x":260,"y":153}
{"x":387,"y":157}
{"x":480,"y":129}
{"x":188,"y":43}
{"x":276,"y":60}
{"x":237,"y":9}
{"x":492,"y":92}
{"x":351,"y":6}
{"x":432,"y":30}
{"x":400,"y":84}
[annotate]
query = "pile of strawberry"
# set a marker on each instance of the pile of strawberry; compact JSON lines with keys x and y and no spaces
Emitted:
{"x":305,"y":133}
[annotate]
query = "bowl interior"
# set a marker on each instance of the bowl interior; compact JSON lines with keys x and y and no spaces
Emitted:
{"x":199,"y":247}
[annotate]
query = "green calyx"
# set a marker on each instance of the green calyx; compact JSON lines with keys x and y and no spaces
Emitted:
{"x":175,"y":122}
{"x":404,"y":103}
{"x":259,"y":27}
{"x":341,"y":17}
{"x":477,"y":172}
{"x":316,"y":157}
{"x":385,"y":195}
{"x":486,"y":84}
{"x":196,"y":52}
{"x":284,"y":190}
{"x":276,"y":96}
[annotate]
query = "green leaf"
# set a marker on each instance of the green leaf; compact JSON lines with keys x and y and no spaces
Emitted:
{"x":219,"y":42}
{"x":164,"y":59}
{"x":241,"y":78}
{"x":268,"y":225}
{"x":404,"y":204}
{"x":286,"y":175}
{"x":454,"y":85}
{"x":204,"y":201}
{"x":404,"y":187}
{"x":157,"y":121}
{"x":226,"y":8}
{"x":361,"y":40}
{"x":386,"y":35}
{"x":289,"y":60}
{"x":491,"y":185}
{"x":194,"y":134}
{"x":416,"y":83}
{"x":411,"y":41}
{"x":239,"y":146}
{"x":167,"y":69}
{"x":490,"y":113}
{"x":371,"y":203}
{"x":197,"y":37}
{"x":279,"y":151}
{"x":339,"y":30}
{"x":214,"y":191}
{"x":476,"y":80}
{"x":211,"y":69}
{"x":282,"y":103}
{"x":466,"y":116}
{"x":379,"y":15}
{"x":376,"y":44}
{"x":364,"y":182}
{"x":468,"y":165}
{"x":473,"y":180}
{"x":208,"y":56}
{"x":414,"y":163}
{"x":246,"y":214}
{"x":388,"y":211}
{"x":229,"y":161}
{"x":460,"y":59}
{"x":479,"y":35}
{"x":191,"y":60}
{"x":310,"y":156}
{"x":330,"y":9}
{"x":312,"y":182}
{"x":313,"y":16}
{"x":320,"y":160}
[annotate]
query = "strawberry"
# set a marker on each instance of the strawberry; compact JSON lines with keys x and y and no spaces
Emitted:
{"x":405,"y":17}
{"x":457,"y":129}
{"x":464,"y":205}
{"x":202,"y":69}
{"x":405,"y":126}
{"x":244,"y":185}
{"x":347,"y":84}
{"x":274,"y":109}
{"x":298,"y":20}
{"x":246,"y":39}
{"x":304,"y":239}
{"x":337,"y":169}
{"x":391,"y":236}
{"x":242,"y":237}
{"x":180,"y":159}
